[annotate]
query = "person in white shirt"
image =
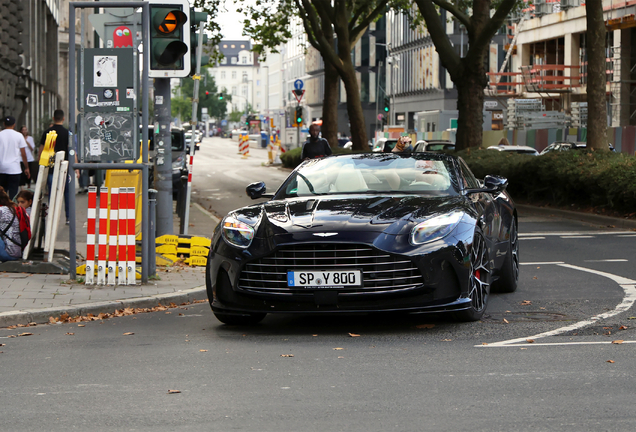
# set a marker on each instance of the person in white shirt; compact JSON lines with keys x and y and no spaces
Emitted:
{"x":12,"y":151}
{"x":30,"y":154}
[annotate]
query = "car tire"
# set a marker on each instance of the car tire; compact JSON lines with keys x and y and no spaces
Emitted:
{"x":509,"y":275}
{"x":244,"y":319}
{"x":479,"y":280}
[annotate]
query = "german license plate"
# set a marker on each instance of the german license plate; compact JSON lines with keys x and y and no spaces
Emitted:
{"x":324,"y":279}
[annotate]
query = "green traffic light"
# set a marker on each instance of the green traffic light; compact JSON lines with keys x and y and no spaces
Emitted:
{"x":299,"y":120}
{"x":386,"y":109}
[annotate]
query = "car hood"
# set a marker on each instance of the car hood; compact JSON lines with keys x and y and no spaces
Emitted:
{"x":392,"y":215}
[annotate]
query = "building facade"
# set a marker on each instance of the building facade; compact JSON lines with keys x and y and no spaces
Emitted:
{"x":238,"y":74}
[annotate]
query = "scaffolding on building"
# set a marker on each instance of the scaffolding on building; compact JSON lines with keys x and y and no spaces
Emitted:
{"x":620,"y":97}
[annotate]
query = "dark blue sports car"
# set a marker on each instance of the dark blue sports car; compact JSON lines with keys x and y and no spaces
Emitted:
{"x":367,"y":233}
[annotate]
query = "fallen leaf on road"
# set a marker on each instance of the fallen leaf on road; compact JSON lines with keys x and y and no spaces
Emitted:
{"x":286,"y":355}
{"x":174,"y":391}
{"x":25,"y":334}
{"x":2,"y":344}
{"x":484,"y":343}
{"x":611,"y":361}
{"x":128,"y":334}
{"x":340,"y":357}
{"x":530,"y":340}
{"x":526,"y":303}
{"x":203,"y":350}
{"x":314,"y":335}
{"x":622,"y":328}
{"x":524,"y":348}
{"x":542,"y":308}
{"x":64,"y":317}
{"x":354,"y":335}
{"x":618,"y":341}
{"x":70,"y":334}
{"x":11,"y":336}
{"x":338,"y":349}
{"x":15,"y":326}
{"x":52,"y":320}
{"x":506,"y":321}
{"x":446,"y":340}
{"x":81,"y":325}
{"x":607,"y":328}
{"x":425,"y":326}
{"x":168,"y":313}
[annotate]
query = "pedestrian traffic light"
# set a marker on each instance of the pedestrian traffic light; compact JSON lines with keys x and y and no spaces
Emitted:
{"x":299,"y":115}
{"x":169,"y":39}
{"x":195,"y":19}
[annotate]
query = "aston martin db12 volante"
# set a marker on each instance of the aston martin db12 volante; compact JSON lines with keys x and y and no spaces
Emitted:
{"x":365,"y":233}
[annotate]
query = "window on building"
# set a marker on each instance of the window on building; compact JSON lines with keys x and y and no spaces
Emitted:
{"x":258,"y":94}
{"x":234,"y":90}
{"x":244,"y":59}
{"x":244,"y":77}
{"x":224,"y":61}
{"x":234,"y":60}
{"x":258,"y":83}
{"x":222,"y":74}
{"x":244,"y":91}
{"x":233,"y":74}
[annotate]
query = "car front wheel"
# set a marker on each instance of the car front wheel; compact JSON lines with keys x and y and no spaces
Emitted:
{"x":509,"y":276}
{"x":478,"y":280}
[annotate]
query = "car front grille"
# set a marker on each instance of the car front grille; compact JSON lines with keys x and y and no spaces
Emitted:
{"x":381,"y":271}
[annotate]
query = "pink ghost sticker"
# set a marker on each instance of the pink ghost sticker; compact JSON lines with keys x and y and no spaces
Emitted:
{"x":122,"y":37}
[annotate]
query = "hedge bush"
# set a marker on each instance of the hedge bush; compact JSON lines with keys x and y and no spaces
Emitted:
{"x":583,"y":178}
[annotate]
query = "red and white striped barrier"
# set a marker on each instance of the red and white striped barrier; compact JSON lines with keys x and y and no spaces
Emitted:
{"x":122,"y":237}
{"x":245,"y":148}
{"x":112,"y":235}
{"x":102,"y":239}
{"x":90,"y":235}
{"x":131,"y":237}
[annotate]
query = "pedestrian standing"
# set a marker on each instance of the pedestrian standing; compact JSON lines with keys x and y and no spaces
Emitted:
{"x":10,"y":249}
{"x":30,"y":153}
{"x":61,"y":144}
{"x":315,"y":146}
{"x":12,"y":152}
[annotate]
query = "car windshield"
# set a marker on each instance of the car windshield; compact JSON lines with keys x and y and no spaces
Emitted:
{"x":416,"y":173}
{"x":389,"y":145}
{"x":437,"y":147}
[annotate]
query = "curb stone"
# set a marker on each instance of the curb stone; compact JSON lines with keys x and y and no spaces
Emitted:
{"x":585,"y":217}
{"x":41,"y":316}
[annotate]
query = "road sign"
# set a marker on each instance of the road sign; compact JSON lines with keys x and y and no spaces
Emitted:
{"x":223,"y":122}
{"x":380,"y":116}
{"x":298,"y":84}
{"x":299,"y":95}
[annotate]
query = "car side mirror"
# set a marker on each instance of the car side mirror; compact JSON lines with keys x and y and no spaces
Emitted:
{"x":496,"y":183}
{"x":257,"y":190}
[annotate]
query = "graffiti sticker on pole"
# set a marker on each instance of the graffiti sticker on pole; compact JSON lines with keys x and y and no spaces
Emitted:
{"x":105,"y":71}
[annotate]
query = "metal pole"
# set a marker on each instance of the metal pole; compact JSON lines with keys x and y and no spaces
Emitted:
{"x":297,"y":127}
{"x":377,"y":96}
{"x":195,"y":106}
{"x":152,"y":209}
{"x":163,"y":158}
{"x":147,"y":237}
{"x":72,"y":236}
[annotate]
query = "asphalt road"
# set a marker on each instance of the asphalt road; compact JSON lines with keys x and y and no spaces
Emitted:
{"x":352,"y":373}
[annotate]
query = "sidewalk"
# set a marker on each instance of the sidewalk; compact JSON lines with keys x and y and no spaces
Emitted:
{"x":27,"y":298}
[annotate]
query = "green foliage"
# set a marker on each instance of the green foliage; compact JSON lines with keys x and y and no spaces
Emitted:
{"x":585,"y":178}
{"x":216,"y":108}
{"x":291,"y":159}
{"x":181,"y":107}
{"x":235,"y":116}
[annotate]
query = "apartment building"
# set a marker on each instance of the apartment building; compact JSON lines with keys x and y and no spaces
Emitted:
{"x":238,"y":74}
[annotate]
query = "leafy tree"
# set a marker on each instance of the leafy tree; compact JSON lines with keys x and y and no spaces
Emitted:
{"x":596,"y":108}
{"x":235,"y":116}
{"x":333,"y":28}
{"x":482,"y":19}
{"x":181,"y":107}
{"x":217,"y":108}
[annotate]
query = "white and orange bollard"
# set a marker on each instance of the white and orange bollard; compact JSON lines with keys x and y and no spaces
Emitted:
{"x":132,"y":271}
{"x":112,"y":235}
{"x":102,"y":239}
{"x":245,"y":148}
{"x":122,"y":237}
{"x":90,"y":235}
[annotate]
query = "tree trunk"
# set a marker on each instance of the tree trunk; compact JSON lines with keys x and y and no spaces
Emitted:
{"x":596,"y":102}
{"x":470,"y":100}
{"x":330,"y":105}
{"x":357,"y":125}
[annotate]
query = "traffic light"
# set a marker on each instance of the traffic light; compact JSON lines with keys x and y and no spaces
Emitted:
{"x":221,"y":96}
{"x":299,"y":115}
{"x":207,"y":93}
{"x":169,"y":39}
{"x":195,"y":19}
{"x":387,"y":104}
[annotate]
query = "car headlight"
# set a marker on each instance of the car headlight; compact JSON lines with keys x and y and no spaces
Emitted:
{"x":237,"y":233}
{"x":435,"y":228}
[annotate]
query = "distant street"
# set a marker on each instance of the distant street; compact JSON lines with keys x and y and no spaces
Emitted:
{"x":541,"y":359}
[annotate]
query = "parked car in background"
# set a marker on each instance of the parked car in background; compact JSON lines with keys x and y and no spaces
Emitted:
{"x":385,"y":145}
{"x":433,"y":145}
{"x":515,"y":149}
{"x":364,"y":233}
{"x":558,"y":146}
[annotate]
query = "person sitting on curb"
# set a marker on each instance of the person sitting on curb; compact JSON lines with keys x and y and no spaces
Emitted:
{"x":10,"y":249}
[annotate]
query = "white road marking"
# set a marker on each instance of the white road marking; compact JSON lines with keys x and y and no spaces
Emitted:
{"x":533,"y":238}
{"x":557,"y":344}
{"x":575,"y":233}
{"x":629,"y":287}
{"x":576,"y":237}
{"x":628,"y":235}
{"x":543,"y":263}
{"x":608,"y":260}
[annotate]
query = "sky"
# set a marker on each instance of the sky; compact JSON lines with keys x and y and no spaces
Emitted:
{"x":231,"y":22}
